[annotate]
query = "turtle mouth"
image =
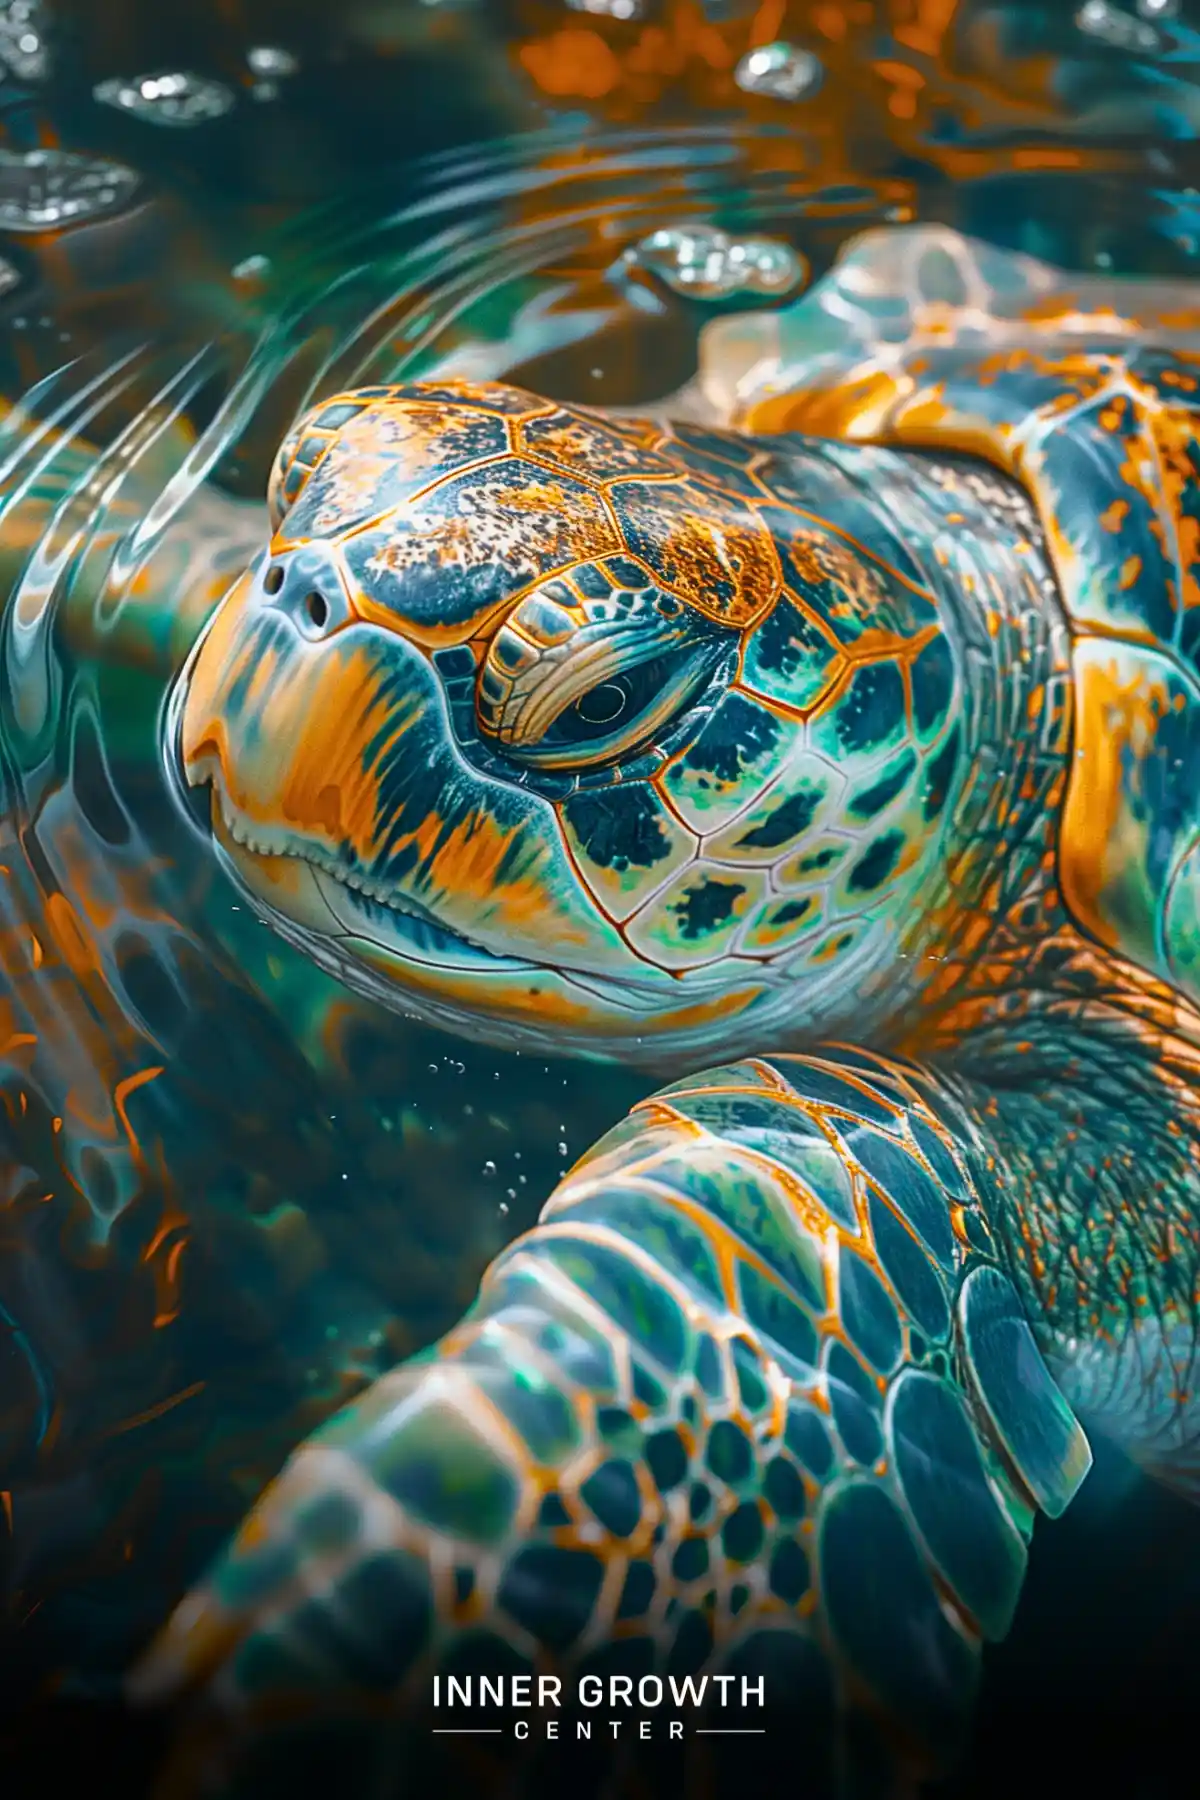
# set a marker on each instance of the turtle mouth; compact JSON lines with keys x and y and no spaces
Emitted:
{"x":351,"y":907}
{"x":357,"y":907}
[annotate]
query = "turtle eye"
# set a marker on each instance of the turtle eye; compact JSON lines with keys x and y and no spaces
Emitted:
{"x":619,"y":714}
{"x":572,"y":680}
{"x":610,"y":706}
{"x":550,"y":713}
{"x":586,"y":726}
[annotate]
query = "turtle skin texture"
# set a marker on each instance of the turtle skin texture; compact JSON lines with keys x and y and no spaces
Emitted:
{"x":783,"y":754}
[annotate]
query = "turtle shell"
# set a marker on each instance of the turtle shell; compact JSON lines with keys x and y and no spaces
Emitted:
{"x":1087,"y":390}
{"x":496,"y":489}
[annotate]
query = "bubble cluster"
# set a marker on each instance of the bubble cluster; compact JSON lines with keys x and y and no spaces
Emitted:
{"x":43,"y":189}
{"x":270,"y":64}
{"x":172,"y":98}
{"x":706,"y":264}
{"x":1118,"y":29}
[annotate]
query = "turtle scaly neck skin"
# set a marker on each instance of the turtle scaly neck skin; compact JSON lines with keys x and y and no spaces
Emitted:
{"x":1091,"y":1179}
{"x":1087,"y":1071}
{"x":1047,"y":1035}
{"x":977,"y":538}
{"x":1031,"y":1024}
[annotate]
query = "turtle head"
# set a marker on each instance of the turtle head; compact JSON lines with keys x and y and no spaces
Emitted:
{"x":576,"y":734}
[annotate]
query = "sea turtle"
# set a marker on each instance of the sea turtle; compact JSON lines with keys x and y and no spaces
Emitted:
{"x":843,"y":764}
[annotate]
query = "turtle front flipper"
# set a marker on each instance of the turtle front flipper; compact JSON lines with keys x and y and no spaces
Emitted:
{"x":871,"y":332}
{"x":755,"y":1396}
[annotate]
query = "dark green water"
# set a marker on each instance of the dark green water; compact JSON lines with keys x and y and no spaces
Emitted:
{"x":228,"y":1193}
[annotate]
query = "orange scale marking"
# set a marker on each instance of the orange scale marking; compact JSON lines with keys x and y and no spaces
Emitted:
{"x":696,"y":544}
{"x":588,"y":450}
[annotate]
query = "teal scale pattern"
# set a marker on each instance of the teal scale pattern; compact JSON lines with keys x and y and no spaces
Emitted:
{"x":754,"y":1394}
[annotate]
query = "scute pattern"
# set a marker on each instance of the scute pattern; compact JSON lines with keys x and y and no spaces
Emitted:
{"x":1091,"y":399}
{"x":536,"y":519}
{"x":693,"y":1393}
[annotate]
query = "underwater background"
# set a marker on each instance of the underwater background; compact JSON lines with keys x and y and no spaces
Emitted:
{"x":231,"y":1194}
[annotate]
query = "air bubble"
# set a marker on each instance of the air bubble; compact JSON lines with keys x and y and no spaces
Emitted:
{"x":781,"y":71}
{"x":271,"y":60}
{"x":625,"y":10}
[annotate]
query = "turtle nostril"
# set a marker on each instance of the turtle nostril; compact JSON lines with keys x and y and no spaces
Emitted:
{"x":304,"y":586}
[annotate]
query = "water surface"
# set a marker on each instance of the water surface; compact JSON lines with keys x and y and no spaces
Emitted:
{"x":230,"y":1192}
